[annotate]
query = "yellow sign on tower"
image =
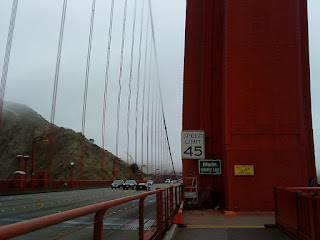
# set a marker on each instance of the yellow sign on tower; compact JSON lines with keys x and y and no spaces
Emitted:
{"x":243,"y":170}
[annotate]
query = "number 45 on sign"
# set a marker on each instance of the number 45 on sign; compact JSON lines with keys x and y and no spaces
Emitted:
{"x":192,"y":144}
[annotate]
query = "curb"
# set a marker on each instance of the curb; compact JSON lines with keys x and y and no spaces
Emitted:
{"x":171,"y":232}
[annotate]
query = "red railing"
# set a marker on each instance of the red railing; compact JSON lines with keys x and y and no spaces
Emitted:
{"x":298,"y":212}
{"x":167,"y":202}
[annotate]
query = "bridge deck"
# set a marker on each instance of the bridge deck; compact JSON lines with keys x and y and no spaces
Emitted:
{"x":211,"y":224}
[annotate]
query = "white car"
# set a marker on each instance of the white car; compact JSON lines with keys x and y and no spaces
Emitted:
{"x":150,"y":182}
{"x":167,"y":181}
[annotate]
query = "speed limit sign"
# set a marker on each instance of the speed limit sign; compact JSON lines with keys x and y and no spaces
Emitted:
{"x":192,"y":144}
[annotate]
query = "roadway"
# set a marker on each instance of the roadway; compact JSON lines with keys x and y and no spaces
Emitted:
{"x":23,"y":207}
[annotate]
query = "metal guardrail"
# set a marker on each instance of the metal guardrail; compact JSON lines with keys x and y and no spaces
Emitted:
{"x":298,"y":212}
{"x":167,"y":203}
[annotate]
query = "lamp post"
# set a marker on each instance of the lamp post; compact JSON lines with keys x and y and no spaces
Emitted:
{"x":72,"y":165}
{"x":37,"y":139}
{"x":142,"y":171}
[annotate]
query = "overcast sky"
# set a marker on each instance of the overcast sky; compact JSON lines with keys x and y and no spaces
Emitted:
{"x":33,"y":58}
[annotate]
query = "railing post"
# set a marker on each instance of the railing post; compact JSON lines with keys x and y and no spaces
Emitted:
{"x":159,"y":214}
{"x":98,"y":225}
{"x":298,"y":197}
{"x":171,"y":202}
{"x":141,"y":218}
{"x":176,"y":197}
{"x":311,"y":217}
{"x":181,"y":192}
{"x":166,"y":194}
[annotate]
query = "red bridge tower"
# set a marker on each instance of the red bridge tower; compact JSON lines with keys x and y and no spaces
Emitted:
{"x":246,"y":84}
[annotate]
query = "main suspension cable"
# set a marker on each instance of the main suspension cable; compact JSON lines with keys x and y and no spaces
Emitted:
{"x":7,"y":54}
{"x":158,"y":76}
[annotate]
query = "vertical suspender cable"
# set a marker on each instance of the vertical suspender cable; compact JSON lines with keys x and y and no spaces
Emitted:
{"x":144,"y":89}
{"x":148,"y":109}
{"x":85,"y":94}
{"x":153,"y":166}
{"x":120,"y":79}
{"x":154,"y":128}
{"x":157,"y":135}
{"x":138,"y":89}
{"x":6,"y":60}
{"x":130,"y":80}
{"x":106,"y":91}
{"x":55,"y":89}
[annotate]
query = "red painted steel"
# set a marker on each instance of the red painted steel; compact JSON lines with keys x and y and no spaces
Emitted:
{"x":298,"y":212}
{"x":141,"y":218}
{"x":246,"y":84}
{"x":26,"y":159}
{"x":19,"y":159}
{"x":21,"y":228}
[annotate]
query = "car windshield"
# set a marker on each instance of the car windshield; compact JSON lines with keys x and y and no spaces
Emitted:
{"x":117,"y":181}
{"x":150,"y":181}
{"x":130,"y":181}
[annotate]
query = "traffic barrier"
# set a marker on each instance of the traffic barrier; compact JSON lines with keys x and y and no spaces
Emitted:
{"x":179,"y":215}
{"x":297,"y":212}
{"x":156,"y":232}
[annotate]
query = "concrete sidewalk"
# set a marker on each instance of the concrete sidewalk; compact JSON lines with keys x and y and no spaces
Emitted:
{"x":213,"y":224}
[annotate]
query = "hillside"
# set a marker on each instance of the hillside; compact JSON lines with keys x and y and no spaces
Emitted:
{"x":21,"y":124}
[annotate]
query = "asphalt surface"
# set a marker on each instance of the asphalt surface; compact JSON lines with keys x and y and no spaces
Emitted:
{"x":230,"y":234}
{"x":121,"y":222}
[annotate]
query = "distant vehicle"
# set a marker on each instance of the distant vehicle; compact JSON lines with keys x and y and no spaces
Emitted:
{"x":129,"y":184}
{"x":143,"y":186}
{"x":117,"y":184}
{"x":150,"y":182}
{"x":174,"y":181}
{"x":167,"y":181}
{"x":180,"y":180}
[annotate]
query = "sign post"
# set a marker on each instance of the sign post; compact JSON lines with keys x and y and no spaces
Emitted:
{"x":212,"y":167}
{"x":192,"y":144}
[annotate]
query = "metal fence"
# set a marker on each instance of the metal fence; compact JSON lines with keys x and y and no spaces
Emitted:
{"x":167,"y":204}
{"x":298,"y":212}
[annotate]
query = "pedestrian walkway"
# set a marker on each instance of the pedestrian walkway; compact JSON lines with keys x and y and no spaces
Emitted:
{"x":213,"y":224}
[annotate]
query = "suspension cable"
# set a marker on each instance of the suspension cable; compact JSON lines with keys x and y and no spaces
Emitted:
{"x":85,"y":94}
{"x":152,"y":129}
{"x":106,"y":89}
{"x":55,"y":87}
{"x":138,"y":89}
{"x":130,"y":80}
{"x":158,"y":76}
{"x":148,"y":107}
{"x":120,"y":79}
{"x":6,"y":60}
{"x":144,"y":89}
